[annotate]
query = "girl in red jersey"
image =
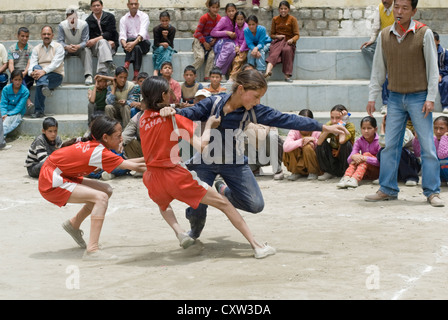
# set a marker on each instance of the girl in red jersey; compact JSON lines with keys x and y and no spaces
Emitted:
{"x":167,"y":178}
{"x":62,"y":180}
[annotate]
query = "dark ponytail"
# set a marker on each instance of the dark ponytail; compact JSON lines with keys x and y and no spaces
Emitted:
{"x":100,"y":126}
{"x":152,"y":90}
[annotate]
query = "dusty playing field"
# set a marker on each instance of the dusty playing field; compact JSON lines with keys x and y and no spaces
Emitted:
{"x":330,"y":243}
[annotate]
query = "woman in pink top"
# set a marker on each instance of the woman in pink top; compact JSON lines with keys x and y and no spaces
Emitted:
{"x":299,"y":155}
{"x":441,"y":142}
{"x":225,"y":34}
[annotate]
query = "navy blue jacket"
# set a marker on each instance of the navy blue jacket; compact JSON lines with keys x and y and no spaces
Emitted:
{"x":237,"y":121}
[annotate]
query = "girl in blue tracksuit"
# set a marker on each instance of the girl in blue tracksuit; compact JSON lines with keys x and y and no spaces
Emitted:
{"x":225,"y":155}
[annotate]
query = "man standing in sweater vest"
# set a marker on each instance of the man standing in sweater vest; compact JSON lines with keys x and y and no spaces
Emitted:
{"x":73,"y":36}
{"x":46,"y":68}
{"x":407,"y":53}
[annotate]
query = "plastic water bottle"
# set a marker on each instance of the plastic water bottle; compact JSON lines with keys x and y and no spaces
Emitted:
{"x":344,"y":119}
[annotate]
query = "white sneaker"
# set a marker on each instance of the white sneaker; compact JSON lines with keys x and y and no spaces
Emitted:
{"x":278,"y":176}
{"x":343,"y":182}
{"x":445,"y":109}
{"x":240,"y":3}
{"x":294,"y":176}
{"x":185,"y":240}
{"x":136,"y":174}
{"x":312,"y":176}
{"x":88,"y":81}
{"x":351,"y":183}
{"x":384,"y":109}
{"x":255,"y":7}
{"x":6,"y":147}
{"x":325,"y":176}
{"x":411,"y":183}
{"x":376,"y":182}
{"x":264,"y":252}
{"x":107,"y":176}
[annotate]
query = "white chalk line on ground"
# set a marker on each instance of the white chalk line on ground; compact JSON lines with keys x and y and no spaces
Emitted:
{"x":9,"y":204}
{"x":441,"y":257}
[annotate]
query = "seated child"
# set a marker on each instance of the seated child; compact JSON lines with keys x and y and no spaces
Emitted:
{"x":136,"y":105}
{"x":43,"y":146}
{"x":409,"y":165}
{"x":215,"y":82}
{"x":190,"y":86}
{"x":201,"y":94}
{"x":332,"y":155}
{"x":163,"y":46}
{"x":441,"y":142}
{"x":363,"y":163}
{"x":13,"y":102}
{"x":166,"y":70}
{"x":264,"y":147}
{"x":96,"y":95}
{"x":299,"y":152}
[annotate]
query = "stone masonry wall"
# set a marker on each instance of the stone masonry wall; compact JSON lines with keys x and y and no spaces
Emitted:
{"x":312,"y":21}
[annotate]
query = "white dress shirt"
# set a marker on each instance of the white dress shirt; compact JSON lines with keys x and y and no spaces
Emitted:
{"x":131,"y":27}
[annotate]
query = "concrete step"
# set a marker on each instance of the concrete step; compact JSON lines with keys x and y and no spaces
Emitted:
{"x":317,"y":95}
{"x":304,"y":43}
{"x":308,"y":65}
{"x":69,"y":125}
{"x":75,"y":125}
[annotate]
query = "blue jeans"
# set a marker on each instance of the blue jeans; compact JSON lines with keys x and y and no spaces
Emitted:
{"x":242,"y":191}
{"x":11,"y":122}
{"x":2,"y":137}
{"x":399,"y":108}
{"x":260,"y":63}
{"x":51,"y":80}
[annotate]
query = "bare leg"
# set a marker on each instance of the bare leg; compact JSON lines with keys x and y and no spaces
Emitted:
{"x":269,"y":68}
{"x":184,"y":239}
{"x":213,"y":198}
{"x":170,"y":218}
{"x":95,"y":195}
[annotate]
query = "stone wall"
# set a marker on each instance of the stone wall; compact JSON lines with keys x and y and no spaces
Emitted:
{"x":320,"y":21}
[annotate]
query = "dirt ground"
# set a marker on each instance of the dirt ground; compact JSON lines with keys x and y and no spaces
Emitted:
{"x":330,"y":243}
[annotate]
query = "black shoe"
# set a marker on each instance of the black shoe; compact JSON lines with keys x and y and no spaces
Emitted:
{"x":38,"y":115}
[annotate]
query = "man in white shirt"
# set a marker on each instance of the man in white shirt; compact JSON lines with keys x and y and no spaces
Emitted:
{"x":73,"y":36}
{"x":46,"y":68}
{"x":134,"y":36}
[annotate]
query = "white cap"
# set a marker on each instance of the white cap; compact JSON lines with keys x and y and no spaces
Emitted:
{"x":203,"y":92}
{"x":71,"y":10}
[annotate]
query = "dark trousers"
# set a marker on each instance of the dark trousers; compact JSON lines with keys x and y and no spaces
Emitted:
{"x":409,"y":165}
{"x":333,"y":165}
{"x":136,"y":55}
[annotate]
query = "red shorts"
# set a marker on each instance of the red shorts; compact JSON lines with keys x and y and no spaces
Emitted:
{"x":166,"y":184}
{"x":55,"y":188}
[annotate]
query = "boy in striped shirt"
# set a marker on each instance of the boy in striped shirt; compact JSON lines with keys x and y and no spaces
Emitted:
{"x":43,"y":146}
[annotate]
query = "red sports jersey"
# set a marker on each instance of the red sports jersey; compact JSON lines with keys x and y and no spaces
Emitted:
{"x":65,"y":168}
{"x":160,"y":139}
{"x":167,"y":178}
